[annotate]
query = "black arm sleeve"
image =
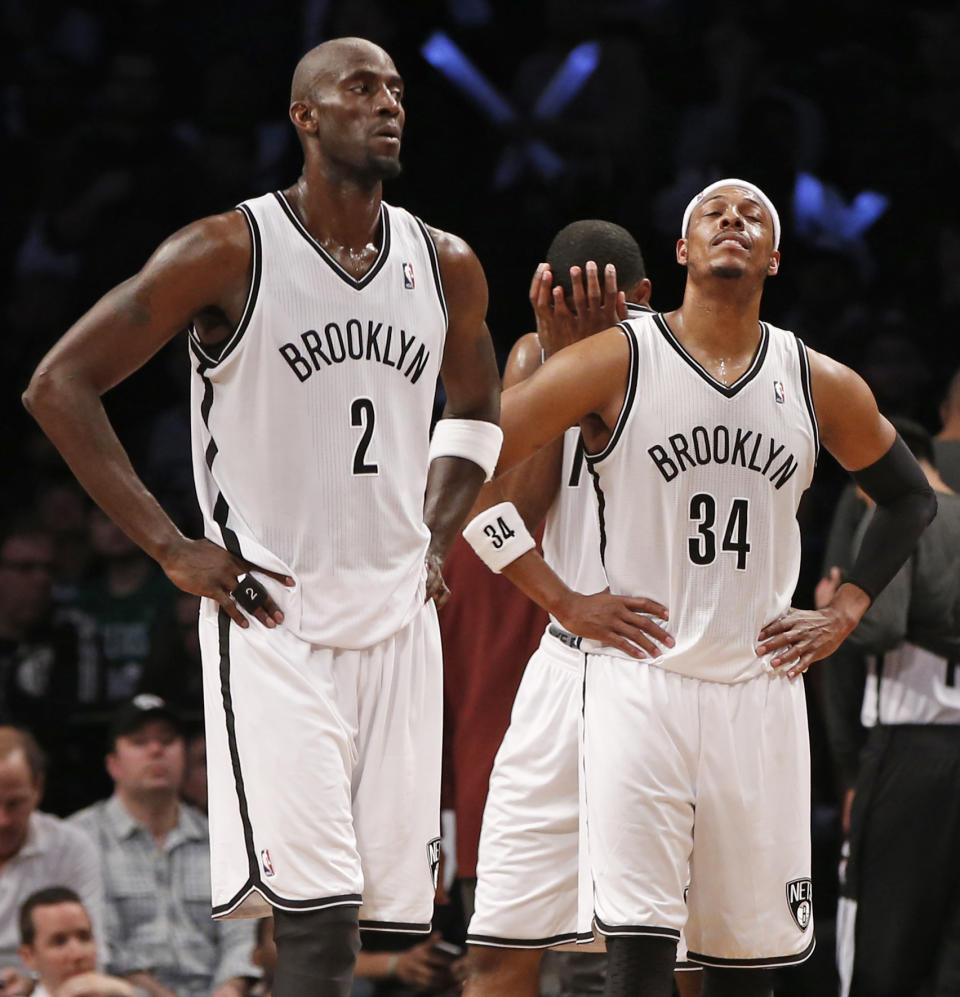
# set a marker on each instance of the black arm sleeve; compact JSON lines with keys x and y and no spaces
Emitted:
{"x":906,"y":504}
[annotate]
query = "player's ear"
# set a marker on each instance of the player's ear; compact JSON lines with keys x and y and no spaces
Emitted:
{"x":682,"y":252}
{"x":301,"y":114}
{"x":773,"y":267}
{"x":640,"y":292}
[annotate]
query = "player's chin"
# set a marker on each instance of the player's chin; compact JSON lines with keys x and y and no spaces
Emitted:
{"x":727,"y":271}
{"x":385,"y":167}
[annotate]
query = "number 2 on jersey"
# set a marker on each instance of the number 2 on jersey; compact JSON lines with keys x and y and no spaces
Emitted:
{"x":703,"y":548}
{"x":362,"y":414}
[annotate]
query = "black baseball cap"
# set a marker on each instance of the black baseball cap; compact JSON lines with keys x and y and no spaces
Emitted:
{"x":130,"y":717}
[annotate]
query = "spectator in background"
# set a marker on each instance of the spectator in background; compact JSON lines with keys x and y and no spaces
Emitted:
{"x":897,"y":933}
{"x":130,"y":601}
{"x":156,"y":867}
{"x":194,"y":789}
{"x":946,"y":445}
{"x":48,"y":654}
{"x":58,"y":945}
{"x":37,"y":850}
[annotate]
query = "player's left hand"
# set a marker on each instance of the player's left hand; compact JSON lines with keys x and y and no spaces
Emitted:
{"x":802,"y":636}
{"x":436,"y":586}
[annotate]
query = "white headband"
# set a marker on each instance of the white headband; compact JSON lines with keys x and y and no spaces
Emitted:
{"x":731,"y":182}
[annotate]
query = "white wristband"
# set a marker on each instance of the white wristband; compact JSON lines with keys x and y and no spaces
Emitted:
{"x":499,"y":536}
{"x":472,"y":439}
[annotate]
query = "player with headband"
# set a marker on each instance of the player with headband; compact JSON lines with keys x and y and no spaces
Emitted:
{"x":702,"y":427}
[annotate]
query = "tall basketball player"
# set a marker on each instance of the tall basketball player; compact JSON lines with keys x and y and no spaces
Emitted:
{"x":701,"y":428}
{"x":319,"y":319}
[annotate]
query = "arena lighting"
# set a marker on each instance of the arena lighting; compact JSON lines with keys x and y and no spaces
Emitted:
{"x":445,"y":56}
{"x":820,"y":210}
{"x":568,"y":80}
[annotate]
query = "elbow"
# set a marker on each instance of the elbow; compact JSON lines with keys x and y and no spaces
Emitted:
{"x":42,"y":395}
{"x":36,"y":397}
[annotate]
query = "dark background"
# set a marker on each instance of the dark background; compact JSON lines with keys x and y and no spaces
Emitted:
{"x":124,"y":121}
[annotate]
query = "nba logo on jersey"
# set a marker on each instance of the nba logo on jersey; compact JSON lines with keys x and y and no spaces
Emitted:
{"x":265,"y":862}
{"x":408,"y":281}
{"x":778,"y":392}
{"x":433,"y":858}
{"x":800,"y":899}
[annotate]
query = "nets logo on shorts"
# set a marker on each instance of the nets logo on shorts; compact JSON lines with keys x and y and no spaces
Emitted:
{"x":265,"y":862}
{"x":433,"y":859}
{"x":800,"y":901}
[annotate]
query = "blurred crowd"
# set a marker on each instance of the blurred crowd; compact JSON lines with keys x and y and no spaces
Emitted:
{"x":123,"y":123}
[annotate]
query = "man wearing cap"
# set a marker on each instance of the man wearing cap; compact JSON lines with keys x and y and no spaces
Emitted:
{"x":156,"y":867}
{"x":701,"y":428}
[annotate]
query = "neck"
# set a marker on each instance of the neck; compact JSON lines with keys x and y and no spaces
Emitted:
{"x":719,"y":314}
{"x":333,"y":205}
{"x":158,"y":811}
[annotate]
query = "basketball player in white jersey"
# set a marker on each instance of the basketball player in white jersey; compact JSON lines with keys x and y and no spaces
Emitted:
{"x":701,"y":427}
{"x":320,"y":318}
{"x":527,"y":875}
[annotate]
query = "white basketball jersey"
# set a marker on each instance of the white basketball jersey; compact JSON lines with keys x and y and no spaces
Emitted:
{"x":571,"y":534}
{"x":911,"y":685}
{"x":311,"y":425}
{"x":698,"y":491}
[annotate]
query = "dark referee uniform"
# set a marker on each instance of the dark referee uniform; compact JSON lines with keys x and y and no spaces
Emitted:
{"x":899,"y":922}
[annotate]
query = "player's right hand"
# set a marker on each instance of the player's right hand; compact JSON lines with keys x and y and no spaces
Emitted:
{"x":594,"y":308}
{"x":617,"y":620}
{"x":202,"y":568}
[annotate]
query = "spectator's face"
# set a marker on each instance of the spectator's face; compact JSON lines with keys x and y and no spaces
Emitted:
{"x":149,"y":760}
{"x":63,"y":944}
{"x":19,"y":797}
{"x":26,"y":574}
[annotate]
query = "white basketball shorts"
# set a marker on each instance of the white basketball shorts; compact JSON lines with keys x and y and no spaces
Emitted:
{"x":324,"y":771}
{"x":706,"y":779}
{"x":528,"y":860}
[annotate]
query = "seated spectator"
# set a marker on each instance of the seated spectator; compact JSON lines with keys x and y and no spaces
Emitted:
{"x":132,"y":603}
{"x":49,"y":657}
{"x":58,"y":946}
{"x":37,"y":850}
{"x":194,"y":788}
{"x":156,"y":867}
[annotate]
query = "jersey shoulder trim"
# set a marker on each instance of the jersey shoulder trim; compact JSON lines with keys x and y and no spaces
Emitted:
{"x":212,"y":356}
{"x":808,"y":393}
{"x":728,"y":390}
{"x":435,"y":267}
{"x":628,"y":399}
{"x":348,"y":278}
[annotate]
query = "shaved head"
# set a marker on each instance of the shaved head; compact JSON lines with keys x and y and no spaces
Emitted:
{"x":331,"y":59}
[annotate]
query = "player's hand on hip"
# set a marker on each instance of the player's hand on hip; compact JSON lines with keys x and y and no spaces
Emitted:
{"x":203,"y":568}
{"x":620,"y":621}
{"x":594,"y":308}
{"x":436,"y":586}
{"x":802,"y":636}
